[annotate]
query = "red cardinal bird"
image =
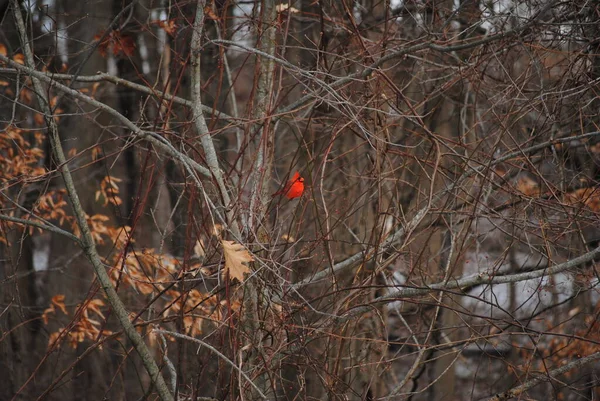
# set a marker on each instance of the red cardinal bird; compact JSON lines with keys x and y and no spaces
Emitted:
{"x":294,"y":188}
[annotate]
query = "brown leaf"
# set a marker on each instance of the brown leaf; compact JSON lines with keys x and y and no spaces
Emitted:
{"x":19,"y":58}
{"x":210,"y":13}
{"x":94,"y":305}
{"x":95,"y":88}
{"x":217,"y":230}
{"x":280,"y":8}
{"x":124,"y":44}
{"x":96,"y":152}
{"x":48,"y":311}
{"x":288,"y":238}
{"x":169,"y":26}
{"x":38,"y":118}
{"x":235,"y":257}
{"x":59,"y":301}
{"x":54,"y":337}
{"x":528,"y":186}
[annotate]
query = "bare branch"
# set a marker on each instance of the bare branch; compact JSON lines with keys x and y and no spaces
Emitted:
{"x":547,"y":377}
{"x":45,"y":227}
{"x":216,"y":352}
{"x":159,"y":95}
{"x":205,"y":137}
{"x":474,"y":280}
{"x":151,"y":137}
{"x":87,"y":241}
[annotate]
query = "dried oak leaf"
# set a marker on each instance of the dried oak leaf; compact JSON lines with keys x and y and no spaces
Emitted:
{"x":235,"y":257}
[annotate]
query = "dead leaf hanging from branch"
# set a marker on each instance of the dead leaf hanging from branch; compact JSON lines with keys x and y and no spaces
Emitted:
{"x":235,"y":257}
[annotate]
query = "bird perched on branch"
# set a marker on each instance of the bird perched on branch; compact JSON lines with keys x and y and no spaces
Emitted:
{"x":294,"y":187}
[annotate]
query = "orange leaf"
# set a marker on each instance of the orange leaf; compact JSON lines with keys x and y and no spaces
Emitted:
{"x":3,"y":50}
{"x":95,"y":88}
{"x":26,"y":96}
{"x":123,"y":44}
{"x":54,"y":337}
{"x":38,"y":118}
{"x":217,"y":229}
{"x":169,"y":26}
{"x":47,"y":312}
{"x":19,"y":58}
{"x":528,"y":187}
{"x":59,"y":301}
{"x":96,"y":152}
{"x":210,"y":13}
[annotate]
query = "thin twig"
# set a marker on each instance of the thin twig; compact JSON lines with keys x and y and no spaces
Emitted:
{"x":87,"y":240}
{"x":214,"y":350}
{"x":474,"y":280}
{"x":41,"y":226}
{"x":550,"y":375}
{"x":401,"y":234}
{"x":102,"y":76}
{"x":151,"y":137}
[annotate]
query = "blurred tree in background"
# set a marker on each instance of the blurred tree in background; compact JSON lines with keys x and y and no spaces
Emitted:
{"x":445,"y":247}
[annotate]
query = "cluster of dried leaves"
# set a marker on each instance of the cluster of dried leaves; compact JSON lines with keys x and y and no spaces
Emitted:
{"x":147,"y":272}
{"x":152,"y":274}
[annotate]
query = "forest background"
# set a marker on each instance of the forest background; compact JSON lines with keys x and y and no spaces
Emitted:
{"x":445,"y":247}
